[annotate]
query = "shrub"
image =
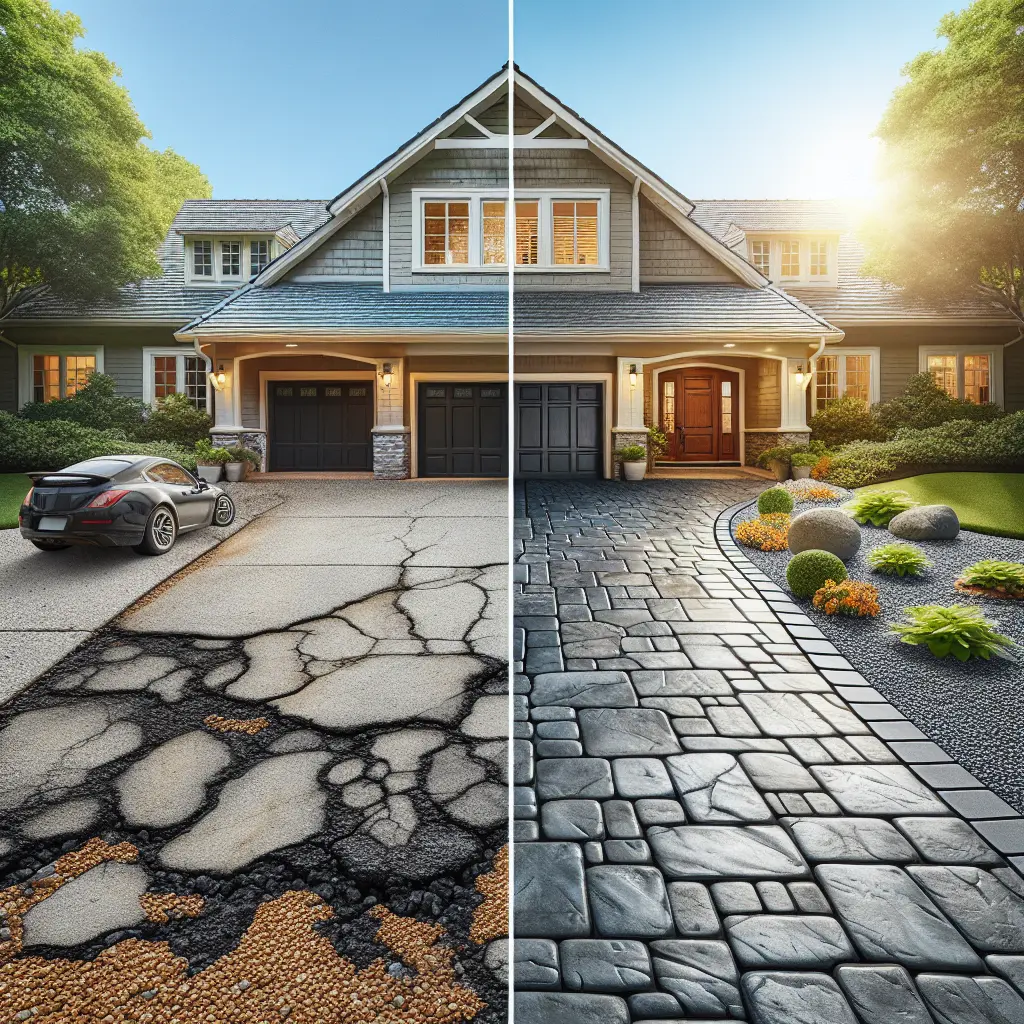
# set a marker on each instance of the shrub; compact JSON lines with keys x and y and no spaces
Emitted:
{"x":878,"y":507}
{"x":631,"y":453}
{"x":96,"y":404}
{"x":207,"y":455}
{"x":851,"y":597}
{"x":657,"y":443}
{"x":804,"y":459}
{"x":899,"y":560}
{"x":242,"y":454}
{"x":28,"y":446}
{"x":775,"y":499}
{"x":810,"y":570}
{"x":957,"y":629}
{"x":924,"y":404}
{"x":844,"y":420}
{"x":1004,"y":579}
{"x":766,"y":533}
{"x":780,"y":453}
{"x":176,"y":420}
{"x":819,"y":471}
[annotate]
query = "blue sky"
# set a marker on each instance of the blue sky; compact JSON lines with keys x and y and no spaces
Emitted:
{"x":725,"y":99}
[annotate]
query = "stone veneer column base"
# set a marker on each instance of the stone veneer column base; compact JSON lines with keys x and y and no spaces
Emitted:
{"x":758,"y":441}
{"x":392,"y":454}
{"x":621,"y":437}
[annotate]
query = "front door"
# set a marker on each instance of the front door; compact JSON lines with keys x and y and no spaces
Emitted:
{"x":320,"y":425}
{"x":699,"y":415}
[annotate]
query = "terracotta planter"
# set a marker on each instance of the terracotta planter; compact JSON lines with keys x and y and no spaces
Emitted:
{"x":634,"y":470}
{"x":235,"y":471}
{"x":211,"y":474}
{"x":780,"y":469}
{"x":801,"y":472}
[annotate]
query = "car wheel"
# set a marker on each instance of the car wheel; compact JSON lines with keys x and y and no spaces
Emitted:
{"x":161,"y":532}
{"x":223,"y":511}
{"x":51,"y":545}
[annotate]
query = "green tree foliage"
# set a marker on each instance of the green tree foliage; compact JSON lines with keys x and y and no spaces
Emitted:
{"x":84,"y":202}
{"x":953,"y":221}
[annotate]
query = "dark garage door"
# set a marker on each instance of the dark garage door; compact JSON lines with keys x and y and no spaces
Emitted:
{"x":463,"y":429}
{"x":558,"y":429}
{"x":320,"y":425}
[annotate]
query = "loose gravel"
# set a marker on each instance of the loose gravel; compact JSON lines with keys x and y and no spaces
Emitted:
{"x":973,"y":710}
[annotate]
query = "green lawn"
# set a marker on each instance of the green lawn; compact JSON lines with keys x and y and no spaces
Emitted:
{"x":13,"y":488}
{"x":985,"y":502}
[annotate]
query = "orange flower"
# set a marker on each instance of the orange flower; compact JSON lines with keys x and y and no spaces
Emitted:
{"x":766,"y":533}
{"x":821,"y":468}
{"x":851,"y":597}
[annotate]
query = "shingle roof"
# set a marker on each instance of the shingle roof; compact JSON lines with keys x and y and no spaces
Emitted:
{"x":167,"y":298}
{"x":856,"y":297}
{"x":331,"y":305}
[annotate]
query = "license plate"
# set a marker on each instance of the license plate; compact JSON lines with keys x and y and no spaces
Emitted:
{"x":53,"y":522}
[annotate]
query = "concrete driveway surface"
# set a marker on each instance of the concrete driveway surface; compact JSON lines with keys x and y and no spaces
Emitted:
{"x":275,"y":789}
{"x":716,"y":815}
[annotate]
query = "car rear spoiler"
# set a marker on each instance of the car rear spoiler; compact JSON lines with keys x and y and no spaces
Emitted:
{"x":68,"y":478}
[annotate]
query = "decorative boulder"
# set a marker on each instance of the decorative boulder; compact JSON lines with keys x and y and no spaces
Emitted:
{"x":824,"y":529}
{"x":926,"y":522}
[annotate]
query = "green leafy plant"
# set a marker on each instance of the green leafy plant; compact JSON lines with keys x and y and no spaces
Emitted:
{"x":175,"y":419}
{"x":844,"y":420}
{"x":1005,"y":579}
{"x":242,"y":454}
{"x":775,"y":499}
{"x":657,"y":443}
{"x":95,"y":404}
{"x":810,"y":570}
{"x":956,"y":630}
{"x":878,"y":507}
{"x":780,"y":453}
{"x":922,"y":404}
{"x":207,"y":455}
{"x":631,"y":453}
{"x":899,"y":560}
{"x":804,"y":458}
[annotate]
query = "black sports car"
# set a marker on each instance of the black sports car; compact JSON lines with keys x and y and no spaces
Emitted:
{"x":120,"y":500}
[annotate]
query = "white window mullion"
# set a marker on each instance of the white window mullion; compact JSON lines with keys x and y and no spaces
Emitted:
{"x":476,"y":230}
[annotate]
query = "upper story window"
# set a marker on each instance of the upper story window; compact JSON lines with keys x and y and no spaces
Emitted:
{"x":574,"y":233}
{"x":494,"y":247}
{"x":790,"y":258}
{"x":563,"y":230}
{"x":760,"y":256}
{"x":967,"y":372}
{"x":527,"y":232}
{"x":803,"y":260}
{"x":819,"y":258}
{"x":446,"y":234}
{"x":225,"y":261}
{"x":460,"y":232}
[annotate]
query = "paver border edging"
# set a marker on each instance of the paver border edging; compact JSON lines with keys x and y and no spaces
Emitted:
{"x":961,"y":792}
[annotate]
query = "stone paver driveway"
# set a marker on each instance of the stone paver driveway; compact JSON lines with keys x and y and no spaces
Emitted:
{"x":276,"y":788}
{"x":705,"y":827}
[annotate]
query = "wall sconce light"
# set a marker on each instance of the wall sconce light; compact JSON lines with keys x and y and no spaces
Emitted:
{"x":729,"y":344}
{"x":632,"y":376}
{"x":291,"y":344}
{"x":799,"y":375}
{"x":385,"y":375}
{"x":219,"y":378}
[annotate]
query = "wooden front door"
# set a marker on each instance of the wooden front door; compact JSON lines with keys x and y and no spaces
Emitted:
{"x":699,"y":414}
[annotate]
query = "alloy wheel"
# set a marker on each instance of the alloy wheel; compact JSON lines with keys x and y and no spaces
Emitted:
{"x":224,"y":511}
{"x":163,"y":529}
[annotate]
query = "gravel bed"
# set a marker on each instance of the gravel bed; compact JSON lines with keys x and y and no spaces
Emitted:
{"x":973,"y":710}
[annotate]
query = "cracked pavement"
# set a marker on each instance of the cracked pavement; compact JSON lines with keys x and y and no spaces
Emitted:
{"x":318,"y":707}
{"x":715,"y":815}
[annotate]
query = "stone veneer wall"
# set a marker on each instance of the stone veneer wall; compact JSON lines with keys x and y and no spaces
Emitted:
{"x":255,"y":440}
{"x":758,"y":441}
{"x":621,"y":438}
{"x":392,"y":452}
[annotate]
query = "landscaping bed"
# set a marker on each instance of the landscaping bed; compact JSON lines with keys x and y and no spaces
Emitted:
{"x":974,"y":710}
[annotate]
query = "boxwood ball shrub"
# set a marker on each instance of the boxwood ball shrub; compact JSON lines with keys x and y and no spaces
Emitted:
{"x":956,"y":630}
{"x":998,"y":579}
{"x":810,"y":570}
{"x":878,"y":507}
{"x":899,"y":560}
{"x":775,"y":499}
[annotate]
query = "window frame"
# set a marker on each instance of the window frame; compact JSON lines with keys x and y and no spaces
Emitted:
{"x":26,"y":363}
{"x":545,"y":199}
{"x":476,"y":199}
{"x":805,"y":239}
{"x":874,"y":374}
{"x":219,"y":279}
{"x":149,"y":357}
{"x":995,"y":365}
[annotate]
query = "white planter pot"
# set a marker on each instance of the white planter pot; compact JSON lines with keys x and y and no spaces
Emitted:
{"x":234,"y":471}
{"x":801,"y":472}
{"x":634,"y":470}
{"x":211,"y":474}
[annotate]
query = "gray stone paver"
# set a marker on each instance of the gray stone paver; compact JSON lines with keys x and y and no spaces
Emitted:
{"x":759,"y":835}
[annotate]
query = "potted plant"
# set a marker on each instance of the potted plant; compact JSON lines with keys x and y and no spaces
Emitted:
{"x":210,"y":461}
{"x":802,"y":463}
{"x":777,"y":460}
{"x":634,"y":460}
{"x":657,"y":445}
{"x":242,"y":461}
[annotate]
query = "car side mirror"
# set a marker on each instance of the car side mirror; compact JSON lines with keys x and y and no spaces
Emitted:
{"x":203,"y":485}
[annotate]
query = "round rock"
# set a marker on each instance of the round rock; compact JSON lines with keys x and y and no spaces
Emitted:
{"x":926,"y":522}
{"x":824,"y":529}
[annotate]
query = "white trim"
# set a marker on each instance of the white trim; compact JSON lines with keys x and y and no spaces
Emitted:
{"x":473,"y":122}
{"x":803,"y":278}
{"x":519,"y":141}
{"x":544,"y":197}
{"x":455,"y":378}
{"x":606,"y":379}
{"x":874,"y":378}
{"x":740,"y":398}
{"x":542,"y":127}
{"x":218,"y":279}
{"x":26,"y":392}
{"x":265,"y":376}
{"x":385,"y":257}
{"x":994,"y":352}
{"x":635,"y":261}
{"x":181,"y":355}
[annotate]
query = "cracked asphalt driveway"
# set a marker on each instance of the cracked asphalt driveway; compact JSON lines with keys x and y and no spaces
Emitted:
{"x":308,"y":725}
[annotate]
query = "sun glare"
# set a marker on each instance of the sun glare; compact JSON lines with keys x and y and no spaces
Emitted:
{"x":841,"y":165}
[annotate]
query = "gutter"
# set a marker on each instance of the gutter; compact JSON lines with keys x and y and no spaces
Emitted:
{"x":814,"y":362}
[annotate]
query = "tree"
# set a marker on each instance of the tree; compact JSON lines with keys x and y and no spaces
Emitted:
{"x":953,"y":219}
{"x":84,"y":203}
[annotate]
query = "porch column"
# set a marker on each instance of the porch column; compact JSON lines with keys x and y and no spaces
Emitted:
{"x":391,"y":438}
{"x":629,"y":408}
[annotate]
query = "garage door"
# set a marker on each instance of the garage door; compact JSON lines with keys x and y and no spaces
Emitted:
{"x":558,"y":429}
{"x":320,"y":425}
{"x":463,"y":429}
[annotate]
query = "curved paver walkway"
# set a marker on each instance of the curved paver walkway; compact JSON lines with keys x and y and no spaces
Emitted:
{"x":716,"y":817}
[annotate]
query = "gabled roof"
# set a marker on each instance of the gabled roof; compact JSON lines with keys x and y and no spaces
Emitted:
{"x":168,"y":299}
{"x":856,"y":298}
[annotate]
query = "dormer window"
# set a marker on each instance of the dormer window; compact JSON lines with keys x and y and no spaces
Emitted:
{"x":798,"y":261}
{"x":760,"y":256}
{"x":790,"y":258}
{"x":819,"y":258}
{"x":226,"y":261}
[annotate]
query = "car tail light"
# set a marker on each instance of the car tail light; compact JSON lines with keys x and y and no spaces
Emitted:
{"x":28,"y":497}
{"x":106,"y":499}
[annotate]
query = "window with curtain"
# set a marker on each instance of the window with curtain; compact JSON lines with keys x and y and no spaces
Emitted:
{"x":966,"y":375}
{"x":446,"y":233}
{"x":60,"y":376}
{"x":574,"y":232}
{"x":943,"y":370}
{"x":976,"y":378}
{"x":527,"y":233}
